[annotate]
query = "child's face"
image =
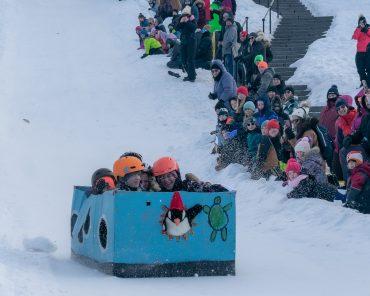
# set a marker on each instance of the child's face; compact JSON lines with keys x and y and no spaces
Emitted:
{"x":144,"y":182}
{"x":292,"y":175}
{"x":260,"y":105}
{"x":273,"y":132}
{"x":251,"y":126}
{"x":222,"y":117}
{"x":351,"y":164}
{"x":241,"y":97}
{"x":234,"y":104}
{"x":133,"y":181}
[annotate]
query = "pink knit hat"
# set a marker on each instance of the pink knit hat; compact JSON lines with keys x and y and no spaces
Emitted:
{"x":303,"y":145}
{"x":293,"y":165}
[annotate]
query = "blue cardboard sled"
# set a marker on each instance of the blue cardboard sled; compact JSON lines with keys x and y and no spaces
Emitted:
{"x":148,"y":234}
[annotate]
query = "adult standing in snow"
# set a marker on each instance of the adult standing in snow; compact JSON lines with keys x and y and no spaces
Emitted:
{"x":229,"y":42}
{"x":329,"y":114}
{"x":225,"y":85}
{"x":362,"y":35}
{"x":187,"y":27}
{"x":254,"y":48}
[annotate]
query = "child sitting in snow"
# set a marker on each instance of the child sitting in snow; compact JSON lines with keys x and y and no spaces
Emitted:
{"x":152,"y":45}
{"x":358,"y":189}
{"x":253,"y":138}
{"x":293,"y":173}
{"x":267,"y":159}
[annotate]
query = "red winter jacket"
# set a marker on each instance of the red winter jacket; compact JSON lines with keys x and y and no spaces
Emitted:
{"x":328,"y":116}
{"x":343,"y":126}
{"x":207,"y":6}
{"x":363,"y":39}
{"x":360,"y":175}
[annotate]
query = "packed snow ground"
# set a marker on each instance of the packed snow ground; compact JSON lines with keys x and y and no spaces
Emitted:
{"x":75,"y":95}
{"x":331,"y":60}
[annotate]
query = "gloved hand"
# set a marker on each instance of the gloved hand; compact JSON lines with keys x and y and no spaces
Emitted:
{"x":144,"y":56}
{"x":347,"y":141}
{"x":101,"y":185}
{"x":212,"y":96}
{"x":289,"y":133}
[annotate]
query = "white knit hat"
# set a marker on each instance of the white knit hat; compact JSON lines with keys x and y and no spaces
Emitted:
{"x":303,"y":145}
{"x":186,"y":10}
{"x":355,"y":156}
{"x":301,"y":112}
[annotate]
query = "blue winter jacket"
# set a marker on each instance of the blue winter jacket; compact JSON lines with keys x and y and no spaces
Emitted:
{"x":266,"y":113}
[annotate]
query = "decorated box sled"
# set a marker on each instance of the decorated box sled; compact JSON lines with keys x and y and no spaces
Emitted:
{"x":147,"y":234}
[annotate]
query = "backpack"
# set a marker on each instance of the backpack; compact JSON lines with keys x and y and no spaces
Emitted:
{"x":326,"y":144}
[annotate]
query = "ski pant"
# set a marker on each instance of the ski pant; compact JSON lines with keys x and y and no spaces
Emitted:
{"x":241,"y":73}
{"x":229,"y":63}
{"x":363,"y":66}
{"x":154,"y":51}
{"x":199,"y":63}
{"x":188,"y":58}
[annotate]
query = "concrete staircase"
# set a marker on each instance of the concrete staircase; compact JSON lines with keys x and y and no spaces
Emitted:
{"x":296,"y":31}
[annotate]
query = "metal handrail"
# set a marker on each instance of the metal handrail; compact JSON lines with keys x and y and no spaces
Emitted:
{"x":269,"y":12}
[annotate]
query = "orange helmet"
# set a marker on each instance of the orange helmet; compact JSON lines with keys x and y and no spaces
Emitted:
{"x":126,"y":165}
{"x":164,"y":165}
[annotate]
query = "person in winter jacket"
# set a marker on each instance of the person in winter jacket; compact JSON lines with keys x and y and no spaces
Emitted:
{"x":225,"y":85}
{"x":272,"y":94}
{"x":313,"y":164}
{"x":283,"y":118}
{"x":358,"y":188}
{"x":302,"y":147}
{"x":167,"y":173}
{"x":267,"y":159}
{"x":203,"y":57}
{"x":102,"y":180}
{"x":253,"y":138}
{"x":279,"y":84}
{"x":361,"y":112}
{"x":127,"y":171}
{"x":264,"y":111}
{"x":362,"y":135}
{"x":329,"y":114}
{"x":223,"y":124}
{"x":144,"y":24}
{"x":362,"y":35}
{"x":152,"y":45}
{"x":229,"y":42}
{"x":266,"y":74}
{"x":249,"y":109}
{"x":293,"y":173}
{"x":254,"y":48}
{"x":267,"y":46}
{"x":187,"y":27}
{"x":290,"y":102}
{"x":202,"y":20}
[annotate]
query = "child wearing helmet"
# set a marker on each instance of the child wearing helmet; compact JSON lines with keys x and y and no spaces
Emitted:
{"x":127,"y":170}
{"x":102,"y":180}
{"x":167,"y":173}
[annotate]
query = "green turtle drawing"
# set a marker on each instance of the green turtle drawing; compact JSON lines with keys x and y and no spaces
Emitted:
{"x":218,"y":218}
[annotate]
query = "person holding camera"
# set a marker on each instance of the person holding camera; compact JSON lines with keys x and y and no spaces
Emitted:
{"x":362,"y":35}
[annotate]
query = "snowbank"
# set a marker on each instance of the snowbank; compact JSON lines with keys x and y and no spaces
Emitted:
{"x":332,"y":60}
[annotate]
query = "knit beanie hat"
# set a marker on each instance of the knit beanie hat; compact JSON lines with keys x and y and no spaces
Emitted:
{"x":289,"y":88}
{"x":355,"y":156}
{"x":264,"y":124}
{"x":333,"y":90}
{"x":242,"y":90}
{"x":249,"y":105}
{"x":262,"y":65}
{"x":271,"y":88}
{"x":258,"y":58}
{"x":273,"y":123}
{"x":244,"y":34}
{"x":223,"y":111}
{"x":341,"y":102}
{"x":293,"y":165}
{"x":303,"y":145}
{"x":215,"y":66}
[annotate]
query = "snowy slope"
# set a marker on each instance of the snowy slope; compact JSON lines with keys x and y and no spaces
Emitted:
{"x":71,"y":69}
{"x":332,"y":60}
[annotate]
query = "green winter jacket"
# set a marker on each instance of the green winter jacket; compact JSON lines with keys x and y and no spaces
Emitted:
{"x":151,"y":43}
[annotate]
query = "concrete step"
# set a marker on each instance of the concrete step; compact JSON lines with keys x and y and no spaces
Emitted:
{"x":316,"y":108}
{"x":285,"y":71}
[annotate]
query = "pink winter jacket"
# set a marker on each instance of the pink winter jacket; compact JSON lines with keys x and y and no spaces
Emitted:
{"x":363,"y":39}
